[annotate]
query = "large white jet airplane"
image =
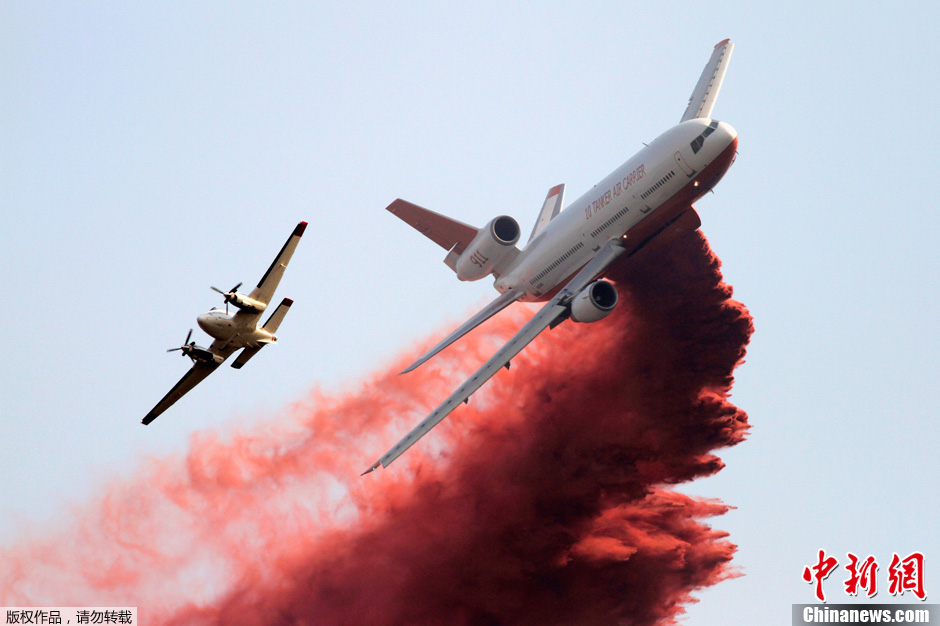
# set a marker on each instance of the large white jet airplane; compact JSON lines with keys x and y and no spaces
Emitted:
{"x":234,"y":332}
{"x":650,"y":196}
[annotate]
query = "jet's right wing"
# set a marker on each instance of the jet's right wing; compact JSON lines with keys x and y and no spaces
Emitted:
{"x":554,"y":311}
{"x":706,"y":90}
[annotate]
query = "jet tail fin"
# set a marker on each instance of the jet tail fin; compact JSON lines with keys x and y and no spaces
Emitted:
{"x":552,"y":207}
{"x":703,"y":97}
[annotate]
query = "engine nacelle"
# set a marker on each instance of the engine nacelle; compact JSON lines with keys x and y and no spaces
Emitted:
{"x":198,"y":353}
{"x":594,"y":303}
{"x":491,"y":250}
{"x":245,"y":303}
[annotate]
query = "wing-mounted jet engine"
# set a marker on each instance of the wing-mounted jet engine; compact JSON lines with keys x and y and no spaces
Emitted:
{"x":594,"y":302}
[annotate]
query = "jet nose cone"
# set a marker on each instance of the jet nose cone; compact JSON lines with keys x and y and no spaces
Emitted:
{"x":728,"y":131}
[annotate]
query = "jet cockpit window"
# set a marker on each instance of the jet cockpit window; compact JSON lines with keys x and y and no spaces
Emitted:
{"x":699,"y":141}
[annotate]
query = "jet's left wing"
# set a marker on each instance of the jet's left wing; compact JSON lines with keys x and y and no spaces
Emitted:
{"x":269,"y":282}
{"x":199,"y":372}
{"x":554,"y":311}
{"x":504,"y":300}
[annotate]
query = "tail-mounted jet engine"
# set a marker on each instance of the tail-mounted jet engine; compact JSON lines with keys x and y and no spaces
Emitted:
{"x":594,"y":303}
{"x":491,"y":250}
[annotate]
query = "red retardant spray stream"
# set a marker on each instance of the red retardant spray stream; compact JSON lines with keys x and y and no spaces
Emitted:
{"x":544,"y":501}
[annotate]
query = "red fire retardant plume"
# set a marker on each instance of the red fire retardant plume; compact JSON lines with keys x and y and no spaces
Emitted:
{"x":544,"y":501}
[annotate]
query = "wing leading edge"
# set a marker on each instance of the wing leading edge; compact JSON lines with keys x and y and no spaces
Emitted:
{"x":554,"y":311}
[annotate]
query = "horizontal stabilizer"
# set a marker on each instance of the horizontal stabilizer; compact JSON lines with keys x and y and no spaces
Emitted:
{"x":246,"y":354}
{"x":271,"y":326}
{"x":552,"y":207}
{"x":444,"y":231}
{"x":274,"y":322}
{"x":706,"y":90}
{"x":505,"y":299}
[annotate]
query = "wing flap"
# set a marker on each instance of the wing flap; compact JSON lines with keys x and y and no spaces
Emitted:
{"x":703,"y":97}
{"x":446,"y":232}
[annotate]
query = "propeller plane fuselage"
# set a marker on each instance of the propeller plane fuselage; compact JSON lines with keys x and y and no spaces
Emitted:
{"x":224,"y":326}
{"x":234,"y":331}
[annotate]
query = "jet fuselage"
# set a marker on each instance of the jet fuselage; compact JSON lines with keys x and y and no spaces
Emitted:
{"x":651,"y":188}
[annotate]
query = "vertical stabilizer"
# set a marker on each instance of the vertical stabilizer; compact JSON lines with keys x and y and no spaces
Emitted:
{"x":552,"y":207}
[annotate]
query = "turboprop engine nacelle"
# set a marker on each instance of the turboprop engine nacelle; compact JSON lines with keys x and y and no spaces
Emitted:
{"x":198,"y":353}
{"x":245,"y":303}
{"x":595,"y":302}
{"x":491,"y":250}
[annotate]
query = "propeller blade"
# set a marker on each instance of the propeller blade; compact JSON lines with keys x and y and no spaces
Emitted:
{"x":235,"y":288}
{"x":216,"y":289}
{"x":186,"y":343}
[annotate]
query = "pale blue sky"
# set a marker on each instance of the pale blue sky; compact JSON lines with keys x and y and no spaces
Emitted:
{"x":148,"y":151}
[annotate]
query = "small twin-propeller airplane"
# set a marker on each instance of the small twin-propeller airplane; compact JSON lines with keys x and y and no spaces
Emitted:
{"x":650,"y":196}
{"x":234,"y":332}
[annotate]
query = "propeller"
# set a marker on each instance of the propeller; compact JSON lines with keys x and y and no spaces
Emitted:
{"x":228,"y":296}
{"x":187,"y":347}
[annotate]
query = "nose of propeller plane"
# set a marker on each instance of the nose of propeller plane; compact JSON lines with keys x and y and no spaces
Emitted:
{"x":204,"y":321}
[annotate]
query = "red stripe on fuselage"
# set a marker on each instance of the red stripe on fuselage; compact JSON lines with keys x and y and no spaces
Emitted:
{"x":667,"y":212}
